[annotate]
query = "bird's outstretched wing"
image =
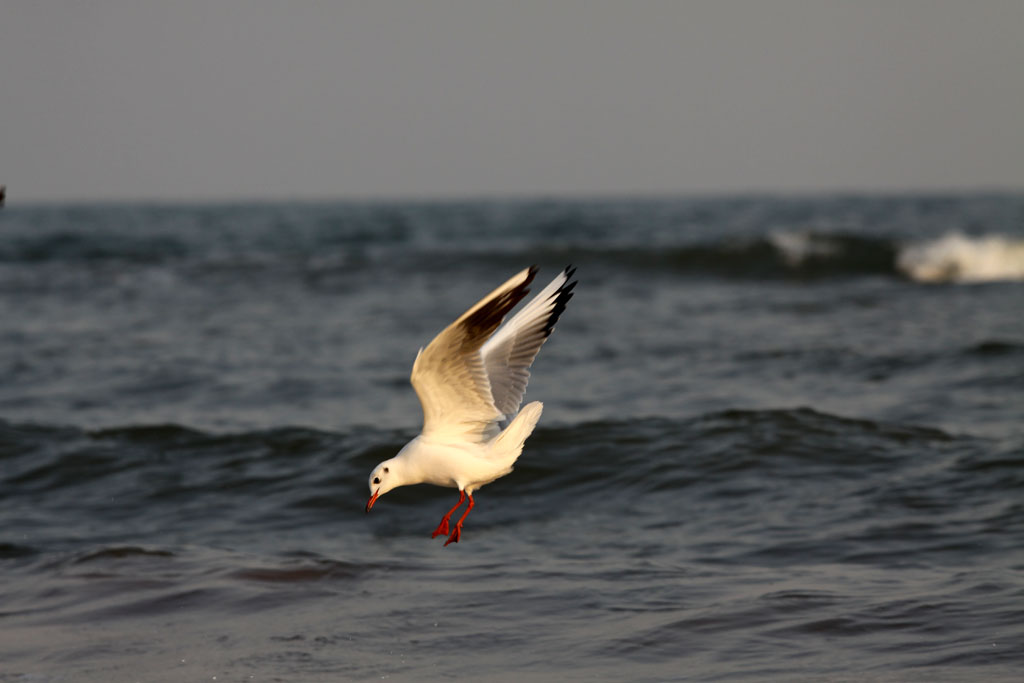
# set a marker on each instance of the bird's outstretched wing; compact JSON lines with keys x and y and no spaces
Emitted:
{"x":449,"y":375}
{"x":509,"y":354}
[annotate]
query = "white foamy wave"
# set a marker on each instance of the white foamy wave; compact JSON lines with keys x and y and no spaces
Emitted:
{"x":958,"y":258}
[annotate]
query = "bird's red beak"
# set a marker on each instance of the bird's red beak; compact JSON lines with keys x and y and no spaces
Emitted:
{"x":373,"y":499}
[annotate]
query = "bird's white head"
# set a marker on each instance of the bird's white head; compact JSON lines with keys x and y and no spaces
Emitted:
{"x":382,"y":479}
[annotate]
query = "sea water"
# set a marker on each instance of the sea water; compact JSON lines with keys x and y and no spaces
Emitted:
{"x":783,"y":439}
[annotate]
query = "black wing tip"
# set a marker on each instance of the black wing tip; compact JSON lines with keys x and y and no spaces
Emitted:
{"x":562,"y":297}
{"x":569,"y":283}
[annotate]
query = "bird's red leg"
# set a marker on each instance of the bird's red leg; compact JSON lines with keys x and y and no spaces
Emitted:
{"x":454,"y":538}
{"x":442,"y":528}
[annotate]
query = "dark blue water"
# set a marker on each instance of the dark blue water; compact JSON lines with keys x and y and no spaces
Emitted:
{"x":783,"y":439}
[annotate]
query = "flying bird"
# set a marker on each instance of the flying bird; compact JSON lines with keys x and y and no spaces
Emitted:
{"x":470,"y":381}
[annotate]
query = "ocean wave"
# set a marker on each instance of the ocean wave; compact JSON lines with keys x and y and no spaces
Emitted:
{"x":42,"y":457}
{"x":803,"y":255}
{"x":960,"y":258}
{"x":286,"y":479}
{"x":319,"y":256}
{"x":952,"y":258}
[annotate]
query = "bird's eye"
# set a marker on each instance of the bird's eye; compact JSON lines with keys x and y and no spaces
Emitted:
{"x":385,"y":470}
{"x":376,"y":480}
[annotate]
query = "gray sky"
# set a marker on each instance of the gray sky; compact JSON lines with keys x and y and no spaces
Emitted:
{"x":208,"y":99}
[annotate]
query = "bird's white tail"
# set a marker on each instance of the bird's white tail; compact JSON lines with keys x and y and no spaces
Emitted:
{"x":509,"y":443}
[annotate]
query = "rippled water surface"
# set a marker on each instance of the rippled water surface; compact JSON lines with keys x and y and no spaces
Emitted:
{"x":782,"y":440}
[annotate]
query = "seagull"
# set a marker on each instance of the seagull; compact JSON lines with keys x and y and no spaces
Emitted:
{"x":470,"y":381}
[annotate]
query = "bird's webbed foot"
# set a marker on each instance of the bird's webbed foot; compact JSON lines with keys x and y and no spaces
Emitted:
{"x":456,"y":534}
{"x":441,"y":530}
